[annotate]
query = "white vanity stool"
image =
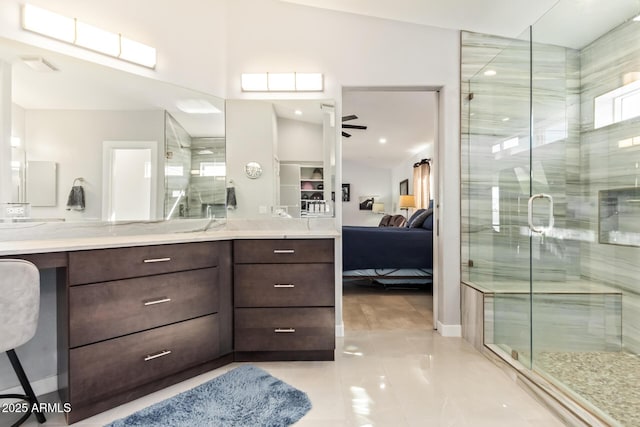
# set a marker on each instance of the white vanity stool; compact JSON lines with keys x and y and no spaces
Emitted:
{"x":19,"y":308}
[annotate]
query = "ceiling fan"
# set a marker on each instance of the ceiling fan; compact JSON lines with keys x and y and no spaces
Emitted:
{"x":348,"y":126}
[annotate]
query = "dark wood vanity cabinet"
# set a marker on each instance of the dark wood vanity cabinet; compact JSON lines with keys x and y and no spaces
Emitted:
{"x":284,"y":299}
{"x":140,"y":319}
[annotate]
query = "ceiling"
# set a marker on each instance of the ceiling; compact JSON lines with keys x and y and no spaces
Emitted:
{"x":501,"y":17}
{"x":406,"y":119}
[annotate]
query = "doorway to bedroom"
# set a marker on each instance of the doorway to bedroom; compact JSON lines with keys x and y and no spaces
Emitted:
{"x":388,"y":270}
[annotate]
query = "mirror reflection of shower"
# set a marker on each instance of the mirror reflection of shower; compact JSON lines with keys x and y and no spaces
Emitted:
{"x":195,"y":173}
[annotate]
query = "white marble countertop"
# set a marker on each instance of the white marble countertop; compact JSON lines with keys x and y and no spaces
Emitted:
{"x":86,"y":236}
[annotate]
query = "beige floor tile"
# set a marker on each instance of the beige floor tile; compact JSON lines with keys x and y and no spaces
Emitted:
{"x":391,"y":369}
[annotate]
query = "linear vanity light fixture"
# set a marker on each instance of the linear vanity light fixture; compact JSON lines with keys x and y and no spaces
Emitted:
{"x":75,"y":32}
{"x":282,"y":82}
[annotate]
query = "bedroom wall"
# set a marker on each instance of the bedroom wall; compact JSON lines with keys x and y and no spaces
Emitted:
{"x":404,"y":170}
{"x":365,"y":181}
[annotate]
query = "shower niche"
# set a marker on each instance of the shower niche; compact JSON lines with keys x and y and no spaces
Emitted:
{"x":618,"y":213}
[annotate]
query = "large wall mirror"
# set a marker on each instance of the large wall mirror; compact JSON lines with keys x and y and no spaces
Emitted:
{"x":292,"y":144}
{"x":140,"y":149}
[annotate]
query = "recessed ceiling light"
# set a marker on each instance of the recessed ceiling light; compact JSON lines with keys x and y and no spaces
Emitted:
{"x":382,"y":140}
{"x":505,"y":119}
{"x":297,"y":112}
{"x":38,"y":63}
{"x":490,"y":73}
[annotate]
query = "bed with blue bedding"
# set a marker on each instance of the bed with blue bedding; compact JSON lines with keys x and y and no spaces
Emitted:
{"x":389,"y":255}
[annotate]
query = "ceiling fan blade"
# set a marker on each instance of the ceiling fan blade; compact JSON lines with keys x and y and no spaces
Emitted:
{"x":354,"y":127}
{"x":346,"y":135}
{"x":347,"y":118}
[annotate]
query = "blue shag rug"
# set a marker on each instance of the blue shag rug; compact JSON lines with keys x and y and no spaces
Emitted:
{"x":244,"y":396}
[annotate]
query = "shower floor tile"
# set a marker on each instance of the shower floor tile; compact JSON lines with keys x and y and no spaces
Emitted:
{"x":610,"y":381}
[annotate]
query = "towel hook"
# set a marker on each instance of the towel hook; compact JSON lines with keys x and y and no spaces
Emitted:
{"x":76,"y":180}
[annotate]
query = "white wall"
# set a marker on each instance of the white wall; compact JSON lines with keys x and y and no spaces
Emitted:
{"x":353,"y":50}
{"x":251,"y":133}
{"x":73,"y":139}
{"x":299,"y":141}
{"x":365,"y":181}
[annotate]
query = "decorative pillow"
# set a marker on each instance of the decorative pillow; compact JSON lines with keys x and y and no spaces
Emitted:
{"x":428,"y":222}
{"x":397,"y":221}
{"x":418,"y":218}
{"x":384,"y":222}
{"x":414,"y":216}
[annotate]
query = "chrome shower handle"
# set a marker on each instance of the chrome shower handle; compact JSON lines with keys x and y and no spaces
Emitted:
{"x":530,"y":213}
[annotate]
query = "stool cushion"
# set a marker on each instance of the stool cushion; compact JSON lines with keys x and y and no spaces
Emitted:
{"x":19,"y":302}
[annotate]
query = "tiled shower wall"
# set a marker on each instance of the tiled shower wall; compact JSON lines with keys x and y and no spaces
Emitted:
{"x":572,"y":161}
{"x":605,"y":64}
{"x":495,"y":157}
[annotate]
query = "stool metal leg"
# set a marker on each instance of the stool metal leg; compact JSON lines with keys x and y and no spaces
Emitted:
{"x":24,"y":381}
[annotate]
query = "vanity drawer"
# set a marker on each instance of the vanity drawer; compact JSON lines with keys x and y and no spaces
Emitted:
{"x":102,"y":265}
{"x":283,"y":251}
{"x":115,"y":366}
{"x":276,"y":285}
{"x":106,"y":310}
{"x":284,"y":329}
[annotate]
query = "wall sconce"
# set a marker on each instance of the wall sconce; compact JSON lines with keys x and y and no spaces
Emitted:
{"x":406,"y":202}
{"x":282,"y":82}
{"x":72,"y":31}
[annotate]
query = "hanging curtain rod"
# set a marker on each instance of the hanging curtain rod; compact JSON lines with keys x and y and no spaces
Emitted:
{"x":421,"y":162}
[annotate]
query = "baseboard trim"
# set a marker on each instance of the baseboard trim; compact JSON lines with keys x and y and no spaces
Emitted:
{"x":449,"y":330}
{"x":40,"y":387}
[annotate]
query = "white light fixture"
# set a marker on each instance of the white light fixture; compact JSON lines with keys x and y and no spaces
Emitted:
{"x":139,"y":53}
{"x":490,"y":73}
{"x":197,"y":106}
{"x":254,"y":82}
{"x":505,"y":119}
{"x":38,"y":63}
{"x":87,"y":36}
{"x":637,"y":18}
{"x":309,"y":82}
{"x":48,"y":23}
{"x":15,"y":142}
{"x":282,"y":82}
{"x":97,"y":39}
{"x":382,"y":140}
{"x":297,"y":112}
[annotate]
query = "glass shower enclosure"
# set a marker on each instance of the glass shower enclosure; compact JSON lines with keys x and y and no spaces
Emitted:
{"x":550,"y":199}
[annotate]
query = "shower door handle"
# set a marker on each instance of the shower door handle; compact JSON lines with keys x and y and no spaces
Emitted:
{"x":530,"y":206}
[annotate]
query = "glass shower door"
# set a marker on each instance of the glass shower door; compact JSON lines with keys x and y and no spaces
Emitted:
{"x":498,"y":189}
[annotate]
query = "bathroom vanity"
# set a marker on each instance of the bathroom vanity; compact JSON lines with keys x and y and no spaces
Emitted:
{"x":137,"y":317}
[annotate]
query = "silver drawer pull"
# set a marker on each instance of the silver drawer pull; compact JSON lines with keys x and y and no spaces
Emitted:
{"x":157,"y":260}
{"x":284,"y":330}
{"x":155,"y":356}
{"x":157,"y":301}
{"x":284,"y":285}
{"x":284,"y":251}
